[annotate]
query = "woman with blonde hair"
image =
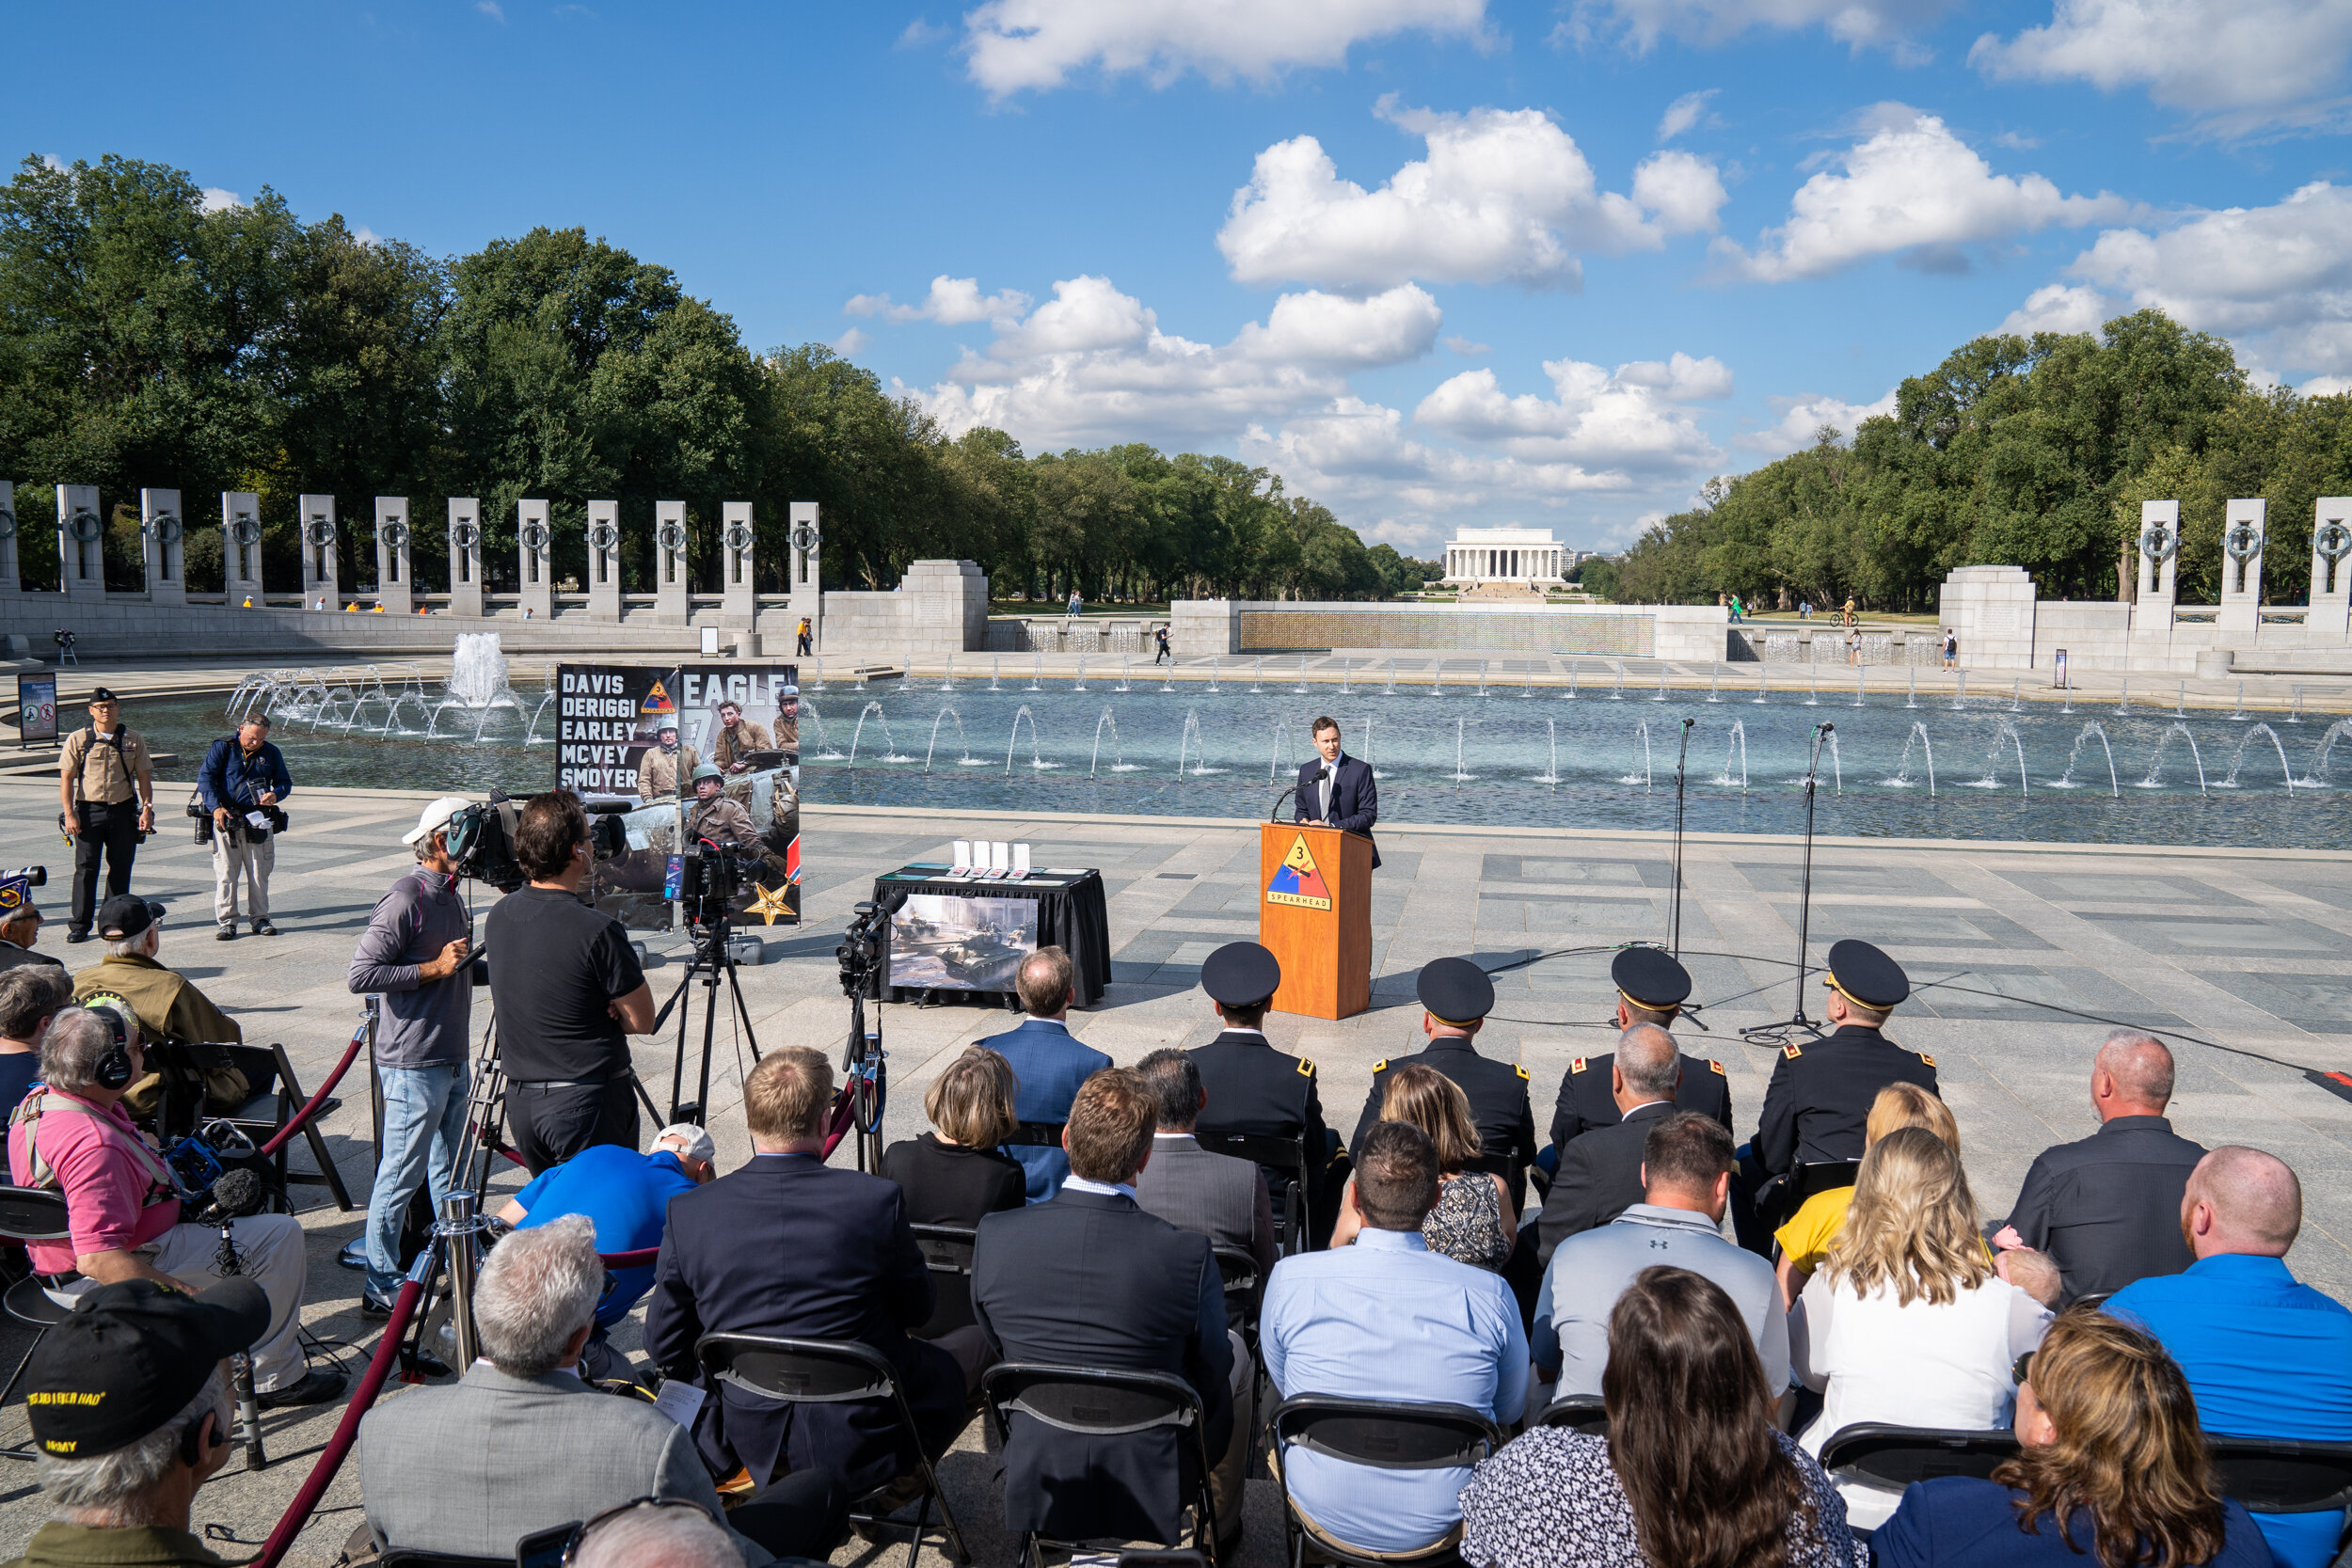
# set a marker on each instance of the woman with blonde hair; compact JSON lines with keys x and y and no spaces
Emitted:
{"x":1473,"y":1221}
{"x":956,"y":1173}
{"x":2113,"y":1469}
{"x":1804,"y":1239}
{"x":1906,"y":1322}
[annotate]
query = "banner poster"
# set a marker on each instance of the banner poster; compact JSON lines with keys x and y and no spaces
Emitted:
{"x":36,"y":709}
{"x":635,"y":735}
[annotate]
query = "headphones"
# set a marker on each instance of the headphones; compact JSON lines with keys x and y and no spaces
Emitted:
{"x":192,"y":1445}
{"x":114,"y":1070}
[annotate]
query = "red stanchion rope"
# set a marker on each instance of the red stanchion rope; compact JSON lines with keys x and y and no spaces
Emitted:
{"x":311,"y":1108}
{"x":641,"y":1258}
{"x":844,"y":1117}
{"x":347,"y":1431}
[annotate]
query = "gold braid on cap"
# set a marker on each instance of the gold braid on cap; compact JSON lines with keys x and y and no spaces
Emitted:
{"x":1633,"y":1001}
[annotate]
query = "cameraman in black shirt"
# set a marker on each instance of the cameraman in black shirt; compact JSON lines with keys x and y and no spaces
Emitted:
{"x":568,"y":992}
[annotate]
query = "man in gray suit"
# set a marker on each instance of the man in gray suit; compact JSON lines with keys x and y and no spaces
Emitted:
{"x":521,"y":1445}
{"x":1212,"y":1195}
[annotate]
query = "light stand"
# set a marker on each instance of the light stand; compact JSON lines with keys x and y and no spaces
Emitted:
{"x":712,"y":957}
{"x":1675,"y":920}
{"x":1777,"y":1034}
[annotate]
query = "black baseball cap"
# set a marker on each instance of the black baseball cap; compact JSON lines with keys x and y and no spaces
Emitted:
{"x":126,"y":914}
{"x":101,"y":695}
{"x":1241,"y":974}
{"x":131,"y":1358}
{"x":1454,"y":991}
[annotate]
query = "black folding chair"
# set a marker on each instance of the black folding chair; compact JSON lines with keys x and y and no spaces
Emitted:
{"x":1035,"y":1135}
{"x":1239,"y":1269}
{"x":1284,"y":1161}
{"x":2284,"y":1474}
{"x":32,"y":1214}
{"x":1381,"y":1434}
{"x":401,"y":1556}
{"x":1102,"y":1402}
{"x":830,"y":1372}
{"x":946,"y":1248}
{"x":1891,"y":1457}
{"x":1585,"y":1413}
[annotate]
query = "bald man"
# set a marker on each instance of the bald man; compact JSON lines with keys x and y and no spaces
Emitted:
{"x":2265,"y":1357}
{"x":2108,"y":1208}
{"x":1600,"y":1173}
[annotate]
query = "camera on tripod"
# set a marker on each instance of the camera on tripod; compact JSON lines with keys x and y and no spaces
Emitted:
{"x":710,"y":879}
{"x":481,"y":840}
{"x":860,"y":954}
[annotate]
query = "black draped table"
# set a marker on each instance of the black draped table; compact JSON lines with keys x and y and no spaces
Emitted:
{"x":966,"y":934}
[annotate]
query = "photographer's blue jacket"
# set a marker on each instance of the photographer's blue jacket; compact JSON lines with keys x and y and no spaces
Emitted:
{"x":231,"y":778}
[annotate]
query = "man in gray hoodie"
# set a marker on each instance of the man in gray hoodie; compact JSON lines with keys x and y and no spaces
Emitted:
{"x":414,"y":954}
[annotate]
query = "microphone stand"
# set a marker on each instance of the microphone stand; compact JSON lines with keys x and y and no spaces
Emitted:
{"x":1778,"y":1034}
{"x":1681,"y":759}
{"x":227,"y":1262}
{"x":1274,"y":813}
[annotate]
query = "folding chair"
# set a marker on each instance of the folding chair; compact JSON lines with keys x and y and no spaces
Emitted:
{"x":1381,"y":1434}
{"x":2284,"y":1474}
{"x":1102,"y":1402}
{"x":1035,"y":1135}
{"x":32,"y":1214}
{"x":829,"y":1371}
{"x":401,"y":1557}
{"x":1890,"y":1458}
{"x":1585,"y":1413}
{"x":1284,"y":1161}
{"x":946,"y":1250}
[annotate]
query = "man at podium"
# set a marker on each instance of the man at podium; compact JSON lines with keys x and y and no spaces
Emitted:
{"x":1336,"y":790}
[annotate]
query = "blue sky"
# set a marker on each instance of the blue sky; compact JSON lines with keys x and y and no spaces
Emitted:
{"x":1439,"y":263}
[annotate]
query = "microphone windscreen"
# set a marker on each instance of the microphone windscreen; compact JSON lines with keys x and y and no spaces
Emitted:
{"x":238,"y":1193}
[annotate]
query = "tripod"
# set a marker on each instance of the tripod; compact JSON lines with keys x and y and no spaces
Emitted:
{"x":865,"y":1080}
{"x":1674,"y":940}
{"x":712,"y":959}
{"x":1778,"y":1034}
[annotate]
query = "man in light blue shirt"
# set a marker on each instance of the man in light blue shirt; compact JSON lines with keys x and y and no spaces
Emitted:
{"x":1686,"y":1177}
{"x":1387,"y":1319}
{"x":1048,"y":1060}
{"x":2265,"y":1357}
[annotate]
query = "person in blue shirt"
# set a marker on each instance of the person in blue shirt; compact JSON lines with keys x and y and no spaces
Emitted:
{"x":1385,"y":1318}
{"x":244,"y":777}
{"x":2264,"y":1356}
{"x":628,"y":1195}
{"x":1049,"y":1062}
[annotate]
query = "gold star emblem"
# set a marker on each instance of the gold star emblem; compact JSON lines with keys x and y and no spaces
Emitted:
{"x":768,"y":903}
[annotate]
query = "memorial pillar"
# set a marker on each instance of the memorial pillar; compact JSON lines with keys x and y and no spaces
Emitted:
{"x":161,"y":530}
{"x":241,"y":549}
{"x":2329,"y":623}
{"x":394,"y":586}
{"x":2159,"y":559}
{"x":741,"y":588}
{"x":10,"y":582}
{"x":604,"y":562}
{"x":671,"y":586}
{"x":80,"y":543}
{"x":535,"y":565}
{"x":319,"y":571}
{"x":464,"y":556}
{"x":2242,"y":530}
{"x":802,"y":577}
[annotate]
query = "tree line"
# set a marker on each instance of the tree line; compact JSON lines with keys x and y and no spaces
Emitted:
{"x":147,"y":341}
{"x":2033,"y":453}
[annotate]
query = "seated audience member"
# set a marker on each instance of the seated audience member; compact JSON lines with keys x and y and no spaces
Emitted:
{"x":20,"y":929}
{"x":654,"y":1535}
{"x":955,"y":1173}
{"x":1804,"y":1239}
{"x":1213,"y":1194}
{"x":2264,"y":1356}
{"x":2113,"y":1472}
{"x":2108,"y":1208}
{"x":1089,"y":1279}
{"x":130,"y":1414}
{"x":1472,"y":1222}
{"x":1387,"y":1318}
{"x":422,"y":1467}
{"x":1047,"y":1060}
{"x":30,"y":995}
{"x":169,"y":1008}
{"x":1600,"y":1173}
{"x":2032,"y":1273}
{"x":627,"y":1196}
{"x":71,"y":1136}
{"x":787,"y":1245}
{"x":1906,"y":1322}
{"x":1686,"y":1176}
{"x":1691,"y":1471}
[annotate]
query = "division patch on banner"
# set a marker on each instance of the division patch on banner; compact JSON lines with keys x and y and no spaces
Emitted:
{"x":1296,"y":881}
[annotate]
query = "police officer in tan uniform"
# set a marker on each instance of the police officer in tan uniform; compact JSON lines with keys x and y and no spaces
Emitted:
{"x":107,"y":787}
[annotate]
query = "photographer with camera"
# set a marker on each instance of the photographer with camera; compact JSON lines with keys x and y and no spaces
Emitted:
{"x":107,"y":786}
{"x":242,"y":782}
{"x":568,"y":992}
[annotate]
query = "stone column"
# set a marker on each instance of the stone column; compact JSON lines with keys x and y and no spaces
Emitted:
{"x":464,"y":556}
{"x":802,"y":577}
{"x":395,"y":588}
{"x":80,"y":543}
{"x":2242,"y":530}
{"x":670,"y":582}
{"x":533,"y":559}
{"x":10,"y":581}
{"x":736,"y":541}
{"x":604,"y":562}
{"x":161,"y":526}
{"x":319,"y":570}
{"x":2159,"y":552}
{"x":2329,"y":623}
{"x":241,"y":548}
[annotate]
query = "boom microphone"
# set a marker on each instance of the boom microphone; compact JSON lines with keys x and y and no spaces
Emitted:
{"x":235,"y":1195}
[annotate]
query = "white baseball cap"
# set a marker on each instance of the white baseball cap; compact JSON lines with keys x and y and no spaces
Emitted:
{"x":696,"y":1141}
{"x":437,"y":816}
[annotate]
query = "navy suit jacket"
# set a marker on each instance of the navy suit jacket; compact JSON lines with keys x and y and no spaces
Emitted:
{"x":1051,"y":1064}
{"x":786,"y":1247}
{"x":1355,"y":803}
{"x":1091,"y":1280}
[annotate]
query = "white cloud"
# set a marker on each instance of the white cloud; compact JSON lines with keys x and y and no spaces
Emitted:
{"x":1355,"y":451}
{"x":952,"y":302}
{"x":849,"y":342}
{"x":490,"y":9}
{"x":1317,"y":329}
{"x":1801,"y":418}
{"x":1888,"y":24}
{"x":217,"y":200}
{"x":2244,"y":62}
{"x":2057,"y":307}
{"x":1912,"y":188}
{"x":364,"y":235}
{"x":1032,"y":45}
{"x":1684,"y":113}
{"x":1630,"y":419}
{"x":1504,"y":197}
{"x":1467,"y":348}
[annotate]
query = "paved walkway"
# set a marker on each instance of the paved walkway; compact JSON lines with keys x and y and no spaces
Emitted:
{"x":2251,"y":950}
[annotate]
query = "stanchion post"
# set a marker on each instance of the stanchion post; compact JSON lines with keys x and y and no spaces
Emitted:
{"x":459,"y":1223}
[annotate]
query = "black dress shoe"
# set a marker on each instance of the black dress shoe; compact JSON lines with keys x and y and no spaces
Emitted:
{"x":316,"y":1386}
{"x":263,"y":928}
{"x":226,"y":933}
{"x":77,"y":936}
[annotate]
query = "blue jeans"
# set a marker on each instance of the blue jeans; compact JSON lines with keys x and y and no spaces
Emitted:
{"x":424,"y":1117}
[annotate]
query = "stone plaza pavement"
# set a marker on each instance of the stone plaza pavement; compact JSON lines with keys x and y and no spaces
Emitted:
{"x":2248,"y":949}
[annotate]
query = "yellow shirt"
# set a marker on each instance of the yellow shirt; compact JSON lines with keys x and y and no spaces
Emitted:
{"x":1804,"y":1239}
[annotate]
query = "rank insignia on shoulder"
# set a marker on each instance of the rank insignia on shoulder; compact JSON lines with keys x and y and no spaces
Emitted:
{"x":1306,"y":1068}
{"x":1924,"y":1057}
{"x":1790,"y":1051}
{"x":1379,"y":1066}
{"x":1578,"y":1065}
{"x":1719,"y":1070}
{"x":1520,"y":1069}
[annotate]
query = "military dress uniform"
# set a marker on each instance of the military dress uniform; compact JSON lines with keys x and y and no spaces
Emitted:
{"x":1654,"y":980}
{"x":1457,"y":993}
{"x":1254,"y":1089}
{"x":105,"y":773}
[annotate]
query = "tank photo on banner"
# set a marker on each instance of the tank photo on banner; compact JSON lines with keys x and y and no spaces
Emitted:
{"x":706,"y":757}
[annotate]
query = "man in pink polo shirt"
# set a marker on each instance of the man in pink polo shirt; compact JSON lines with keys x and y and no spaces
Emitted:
{"x":71,"y":1136}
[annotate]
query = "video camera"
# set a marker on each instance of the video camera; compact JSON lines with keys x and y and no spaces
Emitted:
{"x":710,"y":879}
{"x":860,"y":954}
{"x":481,"y":839}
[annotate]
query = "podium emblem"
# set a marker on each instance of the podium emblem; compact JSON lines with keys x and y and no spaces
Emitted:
{"x":1297,"y":880}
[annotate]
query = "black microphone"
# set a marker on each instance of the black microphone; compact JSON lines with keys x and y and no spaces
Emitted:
{"x":235,"y":1194}
{"x":1274,"y":813}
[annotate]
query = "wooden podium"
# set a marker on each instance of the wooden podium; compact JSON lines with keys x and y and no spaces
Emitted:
{"x":1314,"y":915}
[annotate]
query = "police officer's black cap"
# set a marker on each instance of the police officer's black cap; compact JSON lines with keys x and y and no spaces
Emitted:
{"x":1241,"y":974}
{"x":1866,"y":975}
{"x":103,"y":696}
{"x":1454,"y":991}
{"x":1650,"y":977}
{"x":126,"y":914}
{"x":131,"y":1358}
